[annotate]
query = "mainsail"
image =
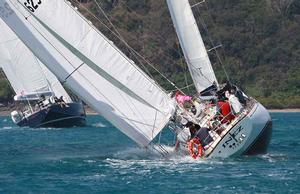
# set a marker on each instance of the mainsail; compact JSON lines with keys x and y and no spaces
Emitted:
{"x":192,"y":44}
{"x":27,"y":75}
{"x":88,"y":63}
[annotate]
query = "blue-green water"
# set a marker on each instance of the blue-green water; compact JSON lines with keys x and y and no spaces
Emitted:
{"x":99,"y":159}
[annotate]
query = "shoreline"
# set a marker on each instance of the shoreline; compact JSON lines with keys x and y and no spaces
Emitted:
{"x":89,"y":111}
{"x":287,"y":110}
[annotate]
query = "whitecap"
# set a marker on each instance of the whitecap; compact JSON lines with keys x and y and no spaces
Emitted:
{"x":6,"y":128}
{"x":89,"y":161}
{"x":272,"y":158}
{"x":97,"y":176}
{"x":136,"y":153}
{"x":43,"y":129}
{"x":99,"y":124}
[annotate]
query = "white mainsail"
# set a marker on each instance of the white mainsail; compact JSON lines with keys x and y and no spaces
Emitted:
{"x":99,"y":73}
{"x":192,"y":44}
{"x":27,"y":75}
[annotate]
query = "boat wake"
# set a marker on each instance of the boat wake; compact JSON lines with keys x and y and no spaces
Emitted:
{"x":141,"y":156}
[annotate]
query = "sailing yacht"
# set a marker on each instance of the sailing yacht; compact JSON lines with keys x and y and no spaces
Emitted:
{"x":244,"y":131}
{"x":115,"y":87}
{"x":36,"y":88}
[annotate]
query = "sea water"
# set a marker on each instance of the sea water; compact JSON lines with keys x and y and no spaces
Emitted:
{"x":100,"y":159}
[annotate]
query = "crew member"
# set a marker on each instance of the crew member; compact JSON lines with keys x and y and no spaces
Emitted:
{"x":234,"y":103}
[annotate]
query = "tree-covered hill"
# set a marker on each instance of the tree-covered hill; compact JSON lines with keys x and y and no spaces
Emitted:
{"x":6,"y":92}
{"x":260,"y":42}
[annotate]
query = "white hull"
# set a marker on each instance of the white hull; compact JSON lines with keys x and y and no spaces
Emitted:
{"x":242,"y":135}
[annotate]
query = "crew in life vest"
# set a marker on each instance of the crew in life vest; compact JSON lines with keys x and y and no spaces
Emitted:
{"x":225,"y":112}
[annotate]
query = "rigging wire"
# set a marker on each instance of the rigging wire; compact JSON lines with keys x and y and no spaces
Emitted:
{"x":191,"y":65}
{"x":177,"y":52}
{"x":112,"y":44}
{"x":162,"y":39}
{"x":135,"y":53}
{"x":185,"y":87}
{"x":209,"y":36}
{"x":118,"y":33}
{"x":132,"y":49}
{"x":186,"y":79}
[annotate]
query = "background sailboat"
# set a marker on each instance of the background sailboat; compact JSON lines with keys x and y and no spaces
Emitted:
{"x":30,"y":80}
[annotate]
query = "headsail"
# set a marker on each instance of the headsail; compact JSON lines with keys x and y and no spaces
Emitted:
{"x":99,"y":73}
{"x":27,"y":75}
{"x":192,"y":44}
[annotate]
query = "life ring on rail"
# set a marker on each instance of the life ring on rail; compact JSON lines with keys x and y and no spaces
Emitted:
{"x":195,"y":148}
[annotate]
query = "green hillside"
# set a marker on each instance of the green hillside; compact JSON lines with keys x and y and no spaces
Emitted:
{"x":260,"y":42}
{"x":6,"y":93}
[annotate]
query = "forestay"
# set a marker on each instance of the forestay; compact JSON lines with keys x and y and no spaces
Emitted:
{"x":91,"y":66}
{"x":192,"y":44}
{"x":27,"y":75}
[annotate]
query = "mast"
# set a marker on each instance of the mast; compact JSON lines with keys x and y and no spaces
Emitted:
{"x":192,"y":44}
{"x":91,"y":65}
{"x":27,"y":75}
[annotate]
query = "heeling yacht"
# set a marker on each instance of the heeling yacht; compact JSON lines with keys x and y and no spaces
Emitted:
{"x":115,"y":87}
{"x":248,"y":131}
{"x":42,"y":99}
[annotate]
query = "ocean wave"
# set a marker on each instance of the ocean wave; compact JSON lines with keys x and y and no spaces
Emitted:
{"x":272,"y":158}
{"x":89,"y":161}
{"x":43,"y":129}
{"x":5,"y":128}
{"x":99,"y":124}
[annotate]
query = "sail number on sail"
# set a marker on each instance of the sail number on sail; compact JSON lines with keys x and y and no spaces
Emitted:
{"x":31,"y":5}
{"x":5,"y":10}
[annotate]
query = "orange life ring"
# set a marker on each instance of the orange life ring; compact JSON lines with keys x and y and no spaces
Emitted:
{"x":195,"y":143}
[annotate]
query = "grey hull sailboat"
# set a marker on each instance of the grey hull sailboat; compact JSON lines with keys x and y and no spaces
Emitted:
{"x":247,"y":132}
